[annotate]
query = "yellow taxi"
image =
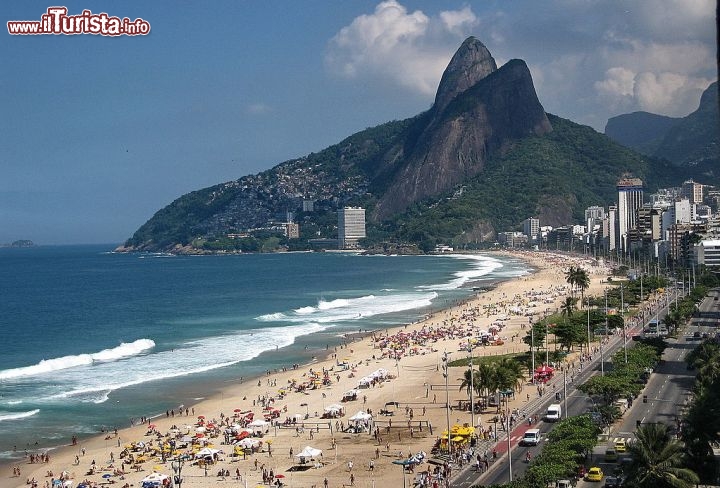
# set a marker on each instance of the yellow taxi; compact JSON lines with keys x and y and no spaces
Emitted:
{"x":594,"y":474}
{"x":620,"y":445}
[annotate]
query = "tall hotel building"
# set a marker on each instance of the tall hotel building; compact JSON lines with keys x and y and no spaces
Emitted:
{"x":630,"y":199}
{"x":351,"y":227}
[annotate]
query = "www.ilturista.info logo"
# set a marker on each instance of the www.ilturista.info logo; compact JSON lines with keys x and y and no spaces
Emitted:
{"x":57,"y":21}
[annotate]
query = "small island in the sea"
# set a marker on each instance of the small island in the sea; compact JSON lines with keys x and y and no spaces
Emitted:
{"x":20,"y":243}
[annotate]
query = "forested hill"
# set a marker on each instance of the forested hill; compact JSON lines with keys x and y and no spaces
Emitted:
{"x":485,"y":157}
{"x":554,"y":177}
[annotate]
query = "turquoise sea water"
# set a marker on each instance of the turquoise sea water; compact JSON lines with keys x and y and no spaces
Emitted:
{"x":92,"y":339}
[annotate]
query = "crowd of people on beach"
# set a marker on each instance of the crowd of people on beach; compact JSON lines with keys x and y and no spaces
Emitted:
{"x":464,"y":322}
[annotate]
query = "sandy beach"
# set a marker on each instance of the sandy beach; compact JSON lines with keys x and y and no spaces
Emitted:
{"x":396,"y":370}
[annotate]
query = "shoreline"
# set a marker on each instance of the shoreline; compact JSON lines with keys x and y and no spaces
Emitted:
{"x":360,"y":351}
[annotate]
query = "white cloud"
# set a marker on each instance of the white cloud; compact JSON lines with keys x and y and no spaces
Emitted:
{"x":459,"y":22}
{"x":618,"y":81}
{"x":668,"y":93}
{"x":409,"y":49}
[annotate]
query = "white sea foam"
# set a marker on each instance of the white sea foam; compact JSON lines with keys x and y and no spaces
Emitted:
{"x":96,"y":384}
{"x":17,"y":415}
{"x":481,"y":266}
{"x":344,"y":309}
{"x":123,"y":351}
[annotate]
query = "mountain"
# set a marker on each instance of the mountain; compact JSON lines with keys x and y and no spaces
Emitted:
{"x":484,"y":157}
{"x":693,"y":140}
{"x":642,"y":131}
{"x":451,"y":142}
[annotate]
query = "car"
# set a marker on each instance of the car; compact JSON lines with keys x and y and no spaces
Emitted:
{"x":594,"y":474}
{"x":613,"y":482}
{"x":611,"y":455}
{"x":620,"y":445}
{"x":696,"y":334}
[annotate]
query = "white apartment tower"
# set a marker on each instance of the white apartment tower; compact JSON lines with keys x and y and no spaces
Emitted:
{"x":593,"y":215}
{"x":351,"y":227}
{"x":531,"y":228}
{"x":630,"y":199}
{"x":609,"y":229}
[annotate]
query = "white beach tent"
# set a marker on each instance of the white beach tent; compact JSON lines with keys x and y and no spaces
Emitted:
{"x":309,"y":452}
{"x":360,"y":416}
{"x":206,"y":452}
{"x":248,"y":443}
{"x":334,"y":409}
{"x":154,"y":479}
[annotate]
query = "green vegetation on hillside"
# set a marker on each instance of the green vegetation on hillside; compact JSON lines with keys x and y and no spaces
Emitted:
{"x":559,"y":174}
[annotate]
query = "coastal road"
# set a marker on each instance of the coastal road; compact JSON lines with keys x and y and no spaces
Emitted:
{"x":661,"y":389}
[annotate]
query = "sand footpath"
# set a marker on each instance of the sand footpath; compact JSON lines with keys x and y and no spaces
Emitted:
{"x":408,"y":382}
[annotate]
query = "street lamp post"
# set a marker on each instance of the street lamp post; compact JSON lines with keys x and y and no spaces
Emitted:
{"x":507,"y":419}
{"x":602,"y":358}
{"x":472,"y":388}
{"x":532,"y":351}
{"x":547,"y":347}
{"x":588,"y":326}
{"x":177,"y":465}
{"x":445,"y":358}
{"x":622,"y":314}
{"x":565,"y":389}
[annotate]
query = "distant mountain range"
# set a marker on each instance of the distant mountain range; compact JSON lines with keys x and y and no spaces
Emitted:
{"x":482,"y":159}
{"x":691,"y":141}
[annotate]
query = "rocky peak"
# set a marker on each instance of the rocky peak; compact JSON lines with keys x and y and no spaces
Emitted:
{"x":479,"y":110}
{"x":471,"y":63}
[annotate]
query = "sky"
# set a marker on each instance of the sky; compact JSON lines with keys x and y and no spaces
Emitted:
{"x":100,"y":132}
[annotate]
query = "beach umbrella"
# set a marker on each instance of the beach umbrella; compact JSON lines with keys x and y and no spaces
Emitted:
{"x":107,"y":475}
{"x":237,"y":410}
{"x":279,"y":476}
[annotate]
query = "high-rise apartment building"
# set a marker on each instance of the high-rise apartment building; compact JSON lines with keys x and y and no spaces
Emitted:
{"x":692,"y":191}
{"x":531,"y":228}
{"x":630,"y":199}
{"x":351,"y":227}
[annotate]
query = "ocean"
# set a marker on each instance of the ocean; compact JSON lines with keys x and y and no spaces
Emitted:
{"x":92,"y":339}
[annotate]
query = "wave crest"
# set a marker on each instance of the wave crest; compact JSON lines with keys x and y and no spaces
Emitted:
{"x":124,"y":350}
{"x":18,"y":415}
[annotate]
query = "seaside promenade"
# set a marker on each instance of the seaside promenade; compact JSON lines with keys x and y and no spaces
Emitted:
{"x":395,"y":376}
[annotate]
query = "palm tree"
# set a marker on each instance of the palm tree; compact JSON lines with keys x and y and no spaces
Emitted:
{"x":578,"y":278}
{"x":657,"y":460}
{"x":568,"y":307}
{"x":466,"y":382}
{"x":570,"y":277}
{"x":511,"y":373}
{"x":582,"y":281}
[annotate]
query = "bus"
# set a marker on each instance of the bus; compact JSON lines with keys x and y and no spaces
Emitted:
{"x":652,"y":327}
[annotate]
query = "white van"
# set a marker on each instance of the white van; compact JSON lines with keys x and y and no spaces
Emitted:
{"x":531,"y":438}
{"x":554,"y":413}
